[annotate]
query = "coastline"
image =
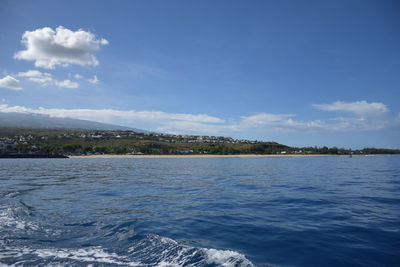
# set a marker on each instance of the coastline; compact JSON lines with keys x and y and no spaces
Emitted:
{"x":197,"y":156}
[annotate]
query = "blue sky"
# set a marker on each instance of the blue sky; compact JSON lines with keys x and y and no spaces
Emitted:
{"x":302,"y":73}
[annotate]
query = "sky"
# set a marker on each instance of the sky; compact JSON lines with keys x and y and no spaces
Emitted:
{"x":301,"y":73}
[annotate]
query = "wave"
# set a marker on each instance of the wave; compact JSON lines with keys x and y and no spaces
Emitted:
{"x":62,"y":256}
{"x":152,"y":251}
{"x":29,"y":240}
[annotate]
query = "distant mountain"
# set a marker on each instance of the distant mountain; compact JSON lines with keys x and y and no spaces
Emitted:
{"x":31,"y":120}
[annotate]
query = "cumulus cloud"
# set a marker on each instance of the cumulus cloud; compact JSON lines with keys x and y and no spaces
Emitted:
{"x":358,"y":107}
{"x":364,"y":116}
{"x":44,"y":79}
{"x":32,"y":73}
{"x":49,"y":48}
{"x":36,"y":76}
{"x":10,"y":82}
{"x":67,"y":84}
{"x":78,"y":76}
{"x":94,"y":80}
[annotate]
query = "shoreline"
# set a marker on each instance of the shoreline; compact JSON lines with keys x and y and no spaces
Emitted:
{"x":197,"y":156}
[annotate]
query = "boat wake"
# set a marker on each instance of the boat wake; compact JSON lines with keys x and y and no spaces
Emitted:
{"x":27,"y":239}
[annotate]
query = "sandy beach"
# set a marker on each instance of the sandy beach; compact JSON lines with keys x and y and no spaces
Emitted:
{"x":195,"y":156}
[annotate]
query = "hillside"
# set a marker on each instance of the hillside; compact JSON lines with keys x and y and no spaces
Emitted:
{"x":45,"y":141}
{"x":78,"y":142}
{"x":30,"y":120}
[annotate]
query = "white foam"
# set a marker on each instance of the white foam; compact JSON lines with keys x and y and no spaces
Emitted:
{"x":166,"y":252}
{"x":226,"y":258}
{"x":151,"y":250}
{"x":10,"y":220}
{"x":93,"y":254}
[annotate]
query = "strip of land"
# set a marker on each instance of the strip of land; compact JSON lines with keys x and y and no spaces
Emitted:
{"x":193,"y":156}
{"x":49,"y":143}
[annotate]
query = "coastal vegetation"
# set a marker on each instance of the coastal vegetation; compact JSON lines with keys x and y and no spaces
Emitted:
{"x":97,"y":142}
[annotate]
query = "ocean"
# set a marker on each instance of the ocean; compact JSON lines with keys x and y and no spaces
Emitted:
{"x":290,"y":211}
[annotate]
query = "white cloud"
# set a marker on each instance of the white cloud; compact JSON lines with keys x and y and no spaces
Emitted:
{"x":358,"y":107}
{"x":67,"y":84}
{"x":364,"y":118}
{"x":112,"y":115}
{"x":32,"y":73}
{"x":261,"y":123}
{"x":44,"y":79}
{"x":94,"y":80}
{"x":265,"y":118}
{"x":78,"y":76}
{"x":10,"y":82}
{"x":36,"y":76}
{"x":49,"y":48}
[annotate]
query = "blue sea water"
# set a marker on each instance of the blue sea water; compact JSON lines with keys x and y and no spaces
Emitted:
{"x":310,"y":211}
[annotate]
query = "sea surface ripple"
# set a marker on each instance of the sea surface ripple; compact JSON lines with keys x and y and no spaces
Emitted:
{"x":308,"y":211}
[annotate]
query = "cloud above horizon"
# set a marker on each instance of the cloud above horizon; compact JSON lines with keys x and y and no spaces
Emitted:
{"x":49,"y":48}
{"x":78,"y":76}
{"x":94,"y":80}
{"x":112,"y":115}
{"x":45,"y":79}
{"x":36,"y":76}
{"x":206,"y":124}
{"x":67,"y":84}
{"x":10,"y":82}
{"x":359,"y":107}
